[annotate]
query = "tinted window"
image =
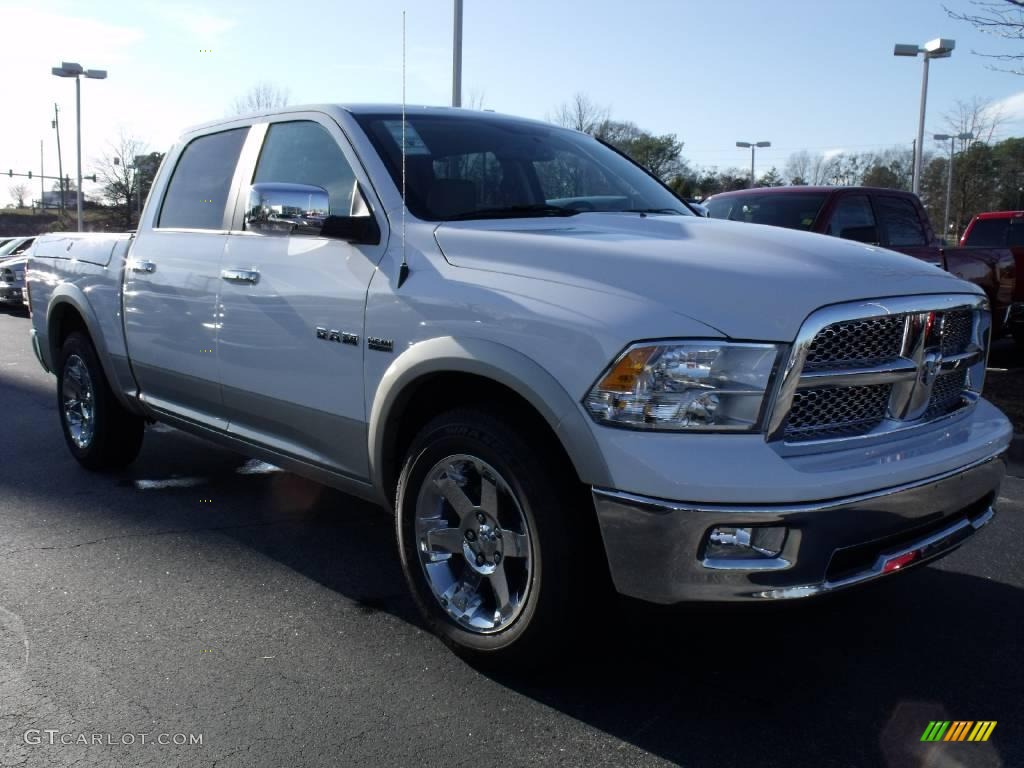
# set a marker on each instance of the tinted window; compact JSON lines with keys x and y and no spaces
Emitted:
{"x":23,"y":247}
{"x":901,"y":221}
{"x":303,"y":152}
{"x":988,"y":233}
{"x":519,"y":168}
{"x":853,"y":219}
{"x":1015,"y":237}
{"x":201,"y":182}
{"x":790,"y":210}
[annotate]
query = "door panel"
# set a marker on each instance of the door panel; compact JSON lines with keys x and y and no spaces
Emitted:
{"x":170,"y":321}
{"x":283,"y":386}
{"x":173,"y":280}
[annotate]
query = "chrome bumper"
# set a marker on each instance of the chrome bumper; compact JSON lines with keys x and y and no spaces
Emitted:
{"x":655,"y":547}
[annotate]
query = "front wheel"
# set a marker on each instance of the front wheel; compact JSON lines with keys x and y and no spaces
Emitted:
{"x":485,"y":534}
{"x":100,"y":433}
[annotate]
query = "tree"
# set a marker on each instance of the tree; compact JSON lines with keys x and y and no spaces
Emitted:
{"x":19,"y":192}
{"x":1001,"y":18}
{"x":581,"y":114}
{"x":118,"y":176}
{"x":260,"y":98}
{"x":661,"y":155}
{"x":772,"y":179}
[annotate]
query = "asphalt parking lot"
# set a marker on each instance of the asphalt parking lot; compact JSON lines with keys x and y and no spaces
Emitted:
{"x":198,"y":594}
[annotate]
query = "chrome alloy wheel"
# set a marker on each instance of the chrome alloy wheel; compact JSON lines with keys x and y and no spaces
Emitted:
{"x":78,"y":401}
{"x":474,"y":544}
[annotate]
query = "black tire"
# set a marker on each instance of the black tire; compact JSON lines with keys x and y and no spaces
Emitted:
{"x":116,"y":434}
{"x":550,"y":502}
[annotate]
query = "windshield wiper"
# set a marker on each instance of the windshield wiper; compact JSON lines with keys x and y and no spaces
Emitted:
{"x":513,"y":212}
{"x":672,"y":211}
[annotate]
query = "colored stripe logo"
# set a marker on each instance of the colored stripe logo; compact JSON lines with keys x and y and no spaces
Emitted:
{"x":959,"y":730}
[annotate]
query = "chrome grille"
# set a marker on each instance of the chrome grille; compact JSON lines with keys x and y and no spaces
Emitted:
{"x":856,"y":371}
{"x":956,"y":332}
{"x":947,"y":394}
{"x":837,"y":411}
{"x":857,"y":343}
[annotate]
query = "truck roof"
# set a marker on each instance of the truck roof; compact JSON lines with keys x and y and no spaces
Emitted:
{"x":798,"y":189}
{"x":367,"y":109}
{"x":999,"y":215}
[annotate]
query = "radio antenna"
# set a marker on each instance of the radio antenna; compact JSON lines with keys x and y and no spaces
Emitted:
{"x":403,"y":270}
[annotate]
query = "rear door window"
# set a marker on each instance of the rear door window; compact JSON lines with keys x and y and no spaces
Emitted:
{"x":199,"y":188}
{"x":901,"y":222}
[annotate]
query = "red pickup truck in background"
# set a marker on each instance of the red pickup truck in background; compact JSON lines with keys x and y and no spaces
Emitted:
{"x":1003,"y":229}
{"x":885,"y":217}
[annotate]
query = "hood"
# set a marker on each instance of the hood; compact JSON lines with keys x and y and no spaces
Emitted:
{"x":746,"y":280}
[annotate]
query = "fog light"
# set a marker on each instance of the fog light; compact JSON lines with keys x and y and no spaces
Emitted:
{"x":728,"y":542}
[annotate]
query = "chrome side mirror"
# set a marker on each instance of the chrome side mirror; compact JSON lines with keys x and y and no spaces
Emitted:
{"x":278,"y":208}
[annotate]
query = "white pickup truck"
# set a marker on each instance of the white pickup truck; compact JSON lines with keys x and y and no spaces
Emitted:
{"x":553,"y":373}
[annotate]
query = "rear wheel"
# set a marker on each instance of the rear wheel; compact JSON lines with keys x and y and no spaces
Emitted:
{"x":100,"y":433}
{"x":485,"y":528}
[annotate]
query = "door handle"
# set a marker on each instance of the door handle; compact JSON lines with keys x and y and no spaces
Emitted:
{"x":240,"y":275}
{"x":143,"y":266}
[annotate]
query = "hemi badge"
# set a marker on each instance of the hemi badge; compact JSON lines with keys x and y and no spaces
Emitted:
{"x":379,"y":344}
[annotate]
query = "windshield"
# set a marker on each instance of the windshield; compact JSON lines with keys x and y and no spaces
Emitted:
{"x":793,"y":211}
{"x":465,"y":166}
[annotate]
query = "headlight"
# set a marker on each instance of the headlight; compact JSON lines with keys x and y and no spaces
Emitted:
{"x":686,"y":385}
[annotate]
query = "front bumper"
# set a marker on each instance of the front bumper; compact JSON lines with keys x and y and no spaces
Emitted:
{"x":655,"y":547}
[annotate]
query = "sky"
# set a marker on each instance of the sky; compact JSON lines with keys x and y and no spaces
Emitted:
{"x":803,"y":74}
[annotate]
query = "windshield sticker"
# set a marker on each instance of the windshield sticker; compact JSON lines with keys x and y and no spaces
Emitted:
{"x":414,"y":144}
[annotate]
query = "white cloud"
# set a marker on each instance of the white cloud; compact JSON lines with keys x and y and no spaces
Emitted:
{"x":828,"y":154}
{"x":1011,"y":108}
{"x":204,"y":26}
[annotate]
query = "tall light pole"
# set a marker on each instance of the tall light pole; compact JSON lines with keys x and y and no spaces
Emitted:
{"x":75,"y":70}
{"x":939,"y":48}
{"x":949,"y":172}
{"x":752,"y":145}
{"x":457,"y":56}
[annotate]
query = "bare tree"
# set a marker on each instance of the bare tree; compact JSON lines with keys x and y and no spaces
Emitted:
{"x":259,"y":98}
{"x":476,"y":99}
{"x":581,"y":114}
{"x":973,"y":166}
{"x":117,"y":174}
{"x":19,"y":192}
{"x":978,"y":116}
{"x":1000,"y":18}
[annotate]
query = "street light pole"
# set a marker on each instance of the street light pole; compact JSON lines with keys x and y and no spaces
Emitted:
{"x":949,"y":171}
{"x":939,"y":48}
{"x":75,"y":70}
{"x":753,"y":145}
{"x":457,"y":56}
{"x":78,"y":148}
